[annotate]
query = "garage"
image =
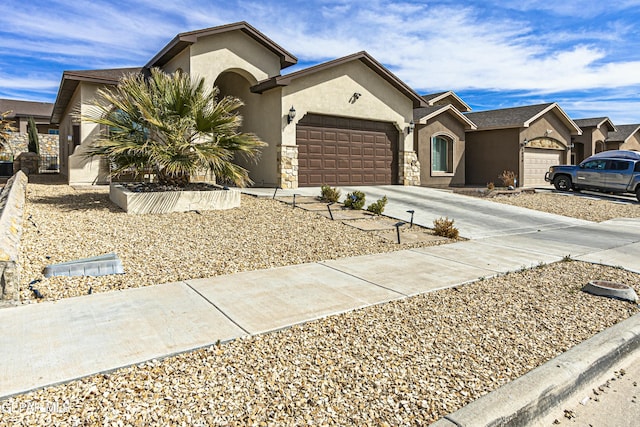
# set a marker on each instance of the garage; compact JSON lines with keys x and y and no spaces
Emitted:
{"x":537,"y":162}
{"x":343,"y":151}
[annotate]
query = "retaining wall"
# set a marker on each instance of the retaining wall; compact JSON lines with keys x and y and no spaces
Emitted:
{"x":12,"y":202}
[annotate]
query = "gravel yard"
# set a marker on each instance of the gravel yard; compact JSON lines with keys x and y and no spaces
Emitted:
{"x":407,"y":362}
{"x":62,"y":224}
{"x":576,"y":207}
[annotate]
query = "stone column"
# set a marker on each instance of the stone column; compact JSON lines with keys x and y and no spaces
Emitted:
{"x":288,"y":166}
{"x":409,"y":168}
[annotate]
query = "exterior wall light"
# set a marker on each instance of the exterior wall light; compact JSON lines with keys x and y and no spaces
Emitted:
{"x":411,"y":127}
{"x":291,"y":115}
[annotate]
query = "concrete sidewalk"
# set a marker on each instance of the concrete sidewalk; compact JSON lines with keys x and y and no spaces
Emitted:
{"x":54,"y":342}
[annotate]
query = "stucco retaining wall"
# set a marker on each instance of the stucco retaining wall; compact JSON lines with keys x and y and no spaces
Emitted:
{"x":12,"y":201}
{"x":172,"y":201}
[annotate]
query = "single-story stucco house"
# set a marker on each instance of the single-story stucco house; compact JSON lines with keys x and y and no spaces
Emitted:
{"x":344,"y":122}
{"x":439,"y":139}
{"x":524,"y":140}
{"x":625,"y":137}
{"x":21,"y":111}
{"x":595,"y":132}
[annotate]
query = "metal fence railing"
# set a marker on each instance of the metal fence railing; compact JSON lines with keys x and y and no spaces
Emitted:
{"x":49,"y":164}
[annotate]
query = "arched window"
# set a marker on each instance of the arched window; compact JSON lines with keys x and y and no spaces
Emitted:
{"x":441,"y":154}
{"x":599,"y":146}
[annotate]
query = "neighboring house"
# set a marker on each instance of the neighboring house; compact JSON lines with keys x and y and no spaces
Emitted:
{"x":625,"y":137}
{"x":595,"y":132}
{"x":525,"y":140}
{"x":22,"y":110}
{"x":343,"y":122}
{"x":18,"y":143}
{"x":439,"y":139}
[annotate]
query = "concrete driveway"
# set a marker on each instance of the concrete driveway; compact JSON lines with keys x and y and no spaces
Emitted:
{"x":474,"y":217}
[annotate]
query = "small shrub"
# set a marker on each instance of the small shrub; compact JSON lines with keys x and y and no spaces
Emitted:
{"x":490,"y":186}
{"x":444,"y":227}
{"x":508,"y":178}
{"x":354,"y":200}
{"x":378,"y":207}
{"x":328,"y":194}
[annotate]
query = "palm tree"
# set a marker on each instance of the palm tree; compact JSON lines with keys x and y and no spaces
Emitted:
{"x":173,"y":125}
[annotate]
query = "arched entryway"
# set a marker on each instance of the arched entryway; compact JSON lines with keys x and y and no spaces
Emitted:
{"x":237,"y":83}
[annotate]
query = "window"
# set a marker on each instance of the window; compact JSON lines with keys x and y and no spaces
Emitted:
{"x":595,"y":164}
{"x":619,"y":165}
{"x":441,"y":154}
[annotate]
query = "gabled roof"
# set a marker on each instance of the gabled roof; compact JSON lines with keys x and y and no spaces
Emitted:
{"x":183,"y":40}
{"x":71,"y":80}
{"x":623,"y":133}
{"x":520,"y":117}
{"x":422,"y":115}
{"x":26,"y":108}
{"x":364,"y":57}
{"x":595,"y":122}
{"x":433,"y":98}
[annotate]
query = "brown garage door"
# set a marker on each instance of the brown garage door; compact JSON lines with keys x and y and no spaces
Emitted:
{"x":341,"y":151}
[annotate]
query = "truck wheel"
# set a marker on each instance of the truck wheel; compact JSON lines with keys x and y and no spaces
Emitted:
{"x":562,"y":183}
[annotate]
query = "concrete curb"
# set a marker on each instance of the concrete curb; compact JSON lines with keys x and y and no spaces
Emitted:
{"x":532,"y":396}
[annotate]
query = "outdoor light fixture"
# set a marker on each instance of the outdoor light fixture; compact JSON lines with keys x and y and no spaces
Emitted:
{"x":411,"y":212}
{"x":276,"y":190}
{"x":329,"y":209}
{"x":398,"y":225}
{"x":356,"y":95}
{"x":291,"y":115}
{"x":523,"y":143}
{"x":411,"y":127}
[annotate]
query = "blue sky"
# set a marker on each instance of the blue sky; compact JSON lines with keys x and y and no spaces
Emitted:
{"x":585,"y":55}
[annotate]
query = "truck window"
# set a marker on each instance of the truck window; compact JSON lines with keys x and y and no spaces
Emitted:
{"x":637,"y":168}
{"x":595,"y":164}
{"x":619,"y":165}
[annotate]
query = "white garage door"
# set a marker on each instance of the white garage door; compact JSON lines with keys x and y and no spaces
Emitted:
{"x":536,"y":163}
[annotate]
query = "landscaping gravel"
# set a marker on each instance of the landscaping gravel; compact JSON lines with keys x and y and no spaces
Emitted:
{"x":62,"y":224}
{"x":407,"y":362}
{"x":570,"y":205}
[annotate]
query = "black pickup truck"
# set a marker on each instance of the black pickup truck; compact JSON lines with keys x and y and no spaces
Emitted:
{"x":615,"y":171}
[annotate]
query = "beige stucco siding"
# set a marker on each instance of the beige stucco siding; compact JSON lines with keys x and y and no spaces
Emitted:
{"x":180,"y":61}
{"x":590,"y":136}
{"x":330,"y":92}
{"x":632,"y":143}
{"x":260,"y":115}
{"x":444,"y":124}
{"x":489,"y":153}
{"x":235,"y":51}
{"x":84,"y":170}
{"x":547,"y":122}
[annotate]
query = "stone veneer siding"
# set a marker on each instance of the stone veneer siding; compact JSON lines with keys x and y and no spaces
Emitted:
{"x":409,"y":168}
{"x":19,"y":143}
{"x":288,"y":166}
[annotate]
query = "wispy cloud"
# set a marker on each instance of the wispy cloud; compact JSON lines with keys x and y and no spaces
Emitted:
{"x":491,"y":47}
